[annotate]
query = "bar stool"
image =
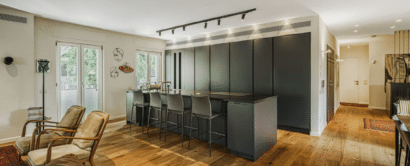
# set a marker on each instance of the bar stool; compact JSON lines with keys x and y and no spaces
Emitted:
{"x":201,"y":109}
{"x":139,"y":102}
{"x":176,"y":106}
{"x":402,"y":140}
{"x":156,"y":104}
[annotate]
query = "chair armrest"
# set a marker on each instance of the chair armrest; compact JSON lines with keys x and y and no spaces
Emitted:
{"x":50,"y":146}
{"x":45,"y":130}
{"x":23,"y":134}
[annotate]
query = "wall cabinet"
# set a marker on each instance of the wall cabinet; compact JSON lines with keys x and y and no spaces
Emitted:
{"x":202,"y":68}
{"x":292,"y":80}
{"x":241,"y":67}
{"x":188,"y":69}
{"x":263,"y":66}
{"x":220,"y":67}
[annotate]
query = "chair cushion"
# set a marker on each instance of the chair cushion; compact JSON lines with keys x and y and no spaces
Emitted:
{"x":90,"y":128}
{"x":38,"y":157}
{"x":66,"y":160}
{"x":23,"y":144}
{"x":70,"y":119}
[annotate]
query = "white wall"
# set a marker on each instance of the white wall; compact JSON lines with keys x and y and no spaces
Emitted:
{"x":16,"y":93}
{"x":378,"y":48}
{"x":325,"y":39}
{"x":361,"y":52}
{"x":48,"y":32}
{"x":320,"y":38}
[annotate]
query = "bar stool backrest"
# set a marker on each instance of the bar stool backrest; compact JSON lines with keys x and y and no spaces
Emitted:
{"x":175,"y":102}
{"x":138,"y":97}
{"x":201,"y":105}
{"x":155,"y":100}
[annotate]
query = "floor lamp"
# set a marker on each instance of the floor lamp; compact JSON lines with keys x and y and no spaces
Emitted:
{"x":43,"y":67}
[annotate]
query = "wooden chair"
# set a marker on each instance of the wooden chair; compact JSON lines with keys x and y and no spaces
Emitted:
{"x":71,"y":120}
{"x":84,"y":144}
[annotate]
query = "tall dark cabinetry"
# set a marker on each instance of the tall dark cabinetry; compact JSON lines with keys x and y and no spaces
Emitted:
{"x":220,"y":68}
{"x":202,"y":68}
{"x":241,"y":68}
{"x":188,"y":69}
{"x":292,"y":80}
{"x":262,"y":66}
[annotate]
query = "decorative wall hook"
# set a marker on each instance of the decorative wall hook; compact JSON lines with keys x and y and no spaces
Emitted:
{"x":8,"y":60}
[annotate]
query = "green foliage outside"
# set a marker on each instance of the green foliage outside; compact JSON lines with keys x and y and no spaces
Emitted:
{"x":69,"y":57}
{"x":141,"y":69}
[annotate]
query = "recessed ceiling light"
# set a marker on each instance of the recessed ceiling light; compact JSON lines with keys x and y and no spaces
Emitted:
{"x":348,"y":46}
{"x":399,"y":20}
{"x":356,"y":25}
{"x":355,"y":31}
{"x":392,"y":27}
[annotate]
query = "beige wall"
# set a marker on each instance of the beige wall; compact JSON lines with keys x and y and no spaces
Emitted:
{"x":16,"y":93}
{"x":48,"y":32}
{"x":361,"y":52}
{"x":378,"y":48}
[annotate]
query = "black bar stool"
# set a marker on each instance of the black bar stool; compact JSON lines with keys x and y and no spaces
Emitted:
{"x":201,"y":109}
{"x":139,"y":102}
{"x":176,"y":106}
{"x":402,"y":140}
{"x":156,"y":104}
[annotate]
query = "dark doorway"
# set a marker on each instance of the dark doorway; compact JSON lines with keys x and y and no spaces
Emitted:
{"x":330,"y":84}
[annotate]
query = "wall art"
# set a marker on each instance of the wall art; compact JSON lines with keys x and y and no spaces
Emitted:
{"x":113,"y":72}
{"x":126,"y":68}
{"x":118,"y":54}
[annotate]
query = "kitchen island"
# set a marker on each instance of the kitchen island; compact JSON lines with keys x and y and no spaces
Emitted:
{"x":248,"y":121}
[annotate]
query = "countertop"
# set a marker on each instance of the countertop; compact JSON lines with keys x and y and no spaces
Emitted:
{"x":225,"y":96}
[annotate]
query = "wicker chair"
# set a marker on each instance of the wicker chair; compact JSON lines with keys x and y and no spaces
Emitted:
{"x":84,"y":144}
{"x":71,"y":120}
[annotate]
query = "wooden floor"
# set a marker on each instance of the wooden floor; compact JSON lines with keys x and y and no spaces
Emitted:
{"x":344,"y":142}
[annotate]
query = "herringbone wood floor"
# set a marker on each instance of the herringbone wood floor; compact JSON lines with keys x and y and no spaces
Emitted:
{"x":344,"y":142}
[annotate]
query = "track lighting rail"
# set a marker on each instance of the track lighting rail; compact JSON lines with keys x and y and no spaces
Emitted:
{"x":206,"y":20}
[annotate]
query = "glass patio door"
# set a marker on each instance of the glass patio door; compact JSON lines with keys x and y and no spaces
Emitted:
{"x":79,"y":77}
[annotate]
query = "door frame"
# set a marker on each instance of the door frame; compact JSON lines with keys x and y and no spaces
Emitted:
{"x":80,"y":74}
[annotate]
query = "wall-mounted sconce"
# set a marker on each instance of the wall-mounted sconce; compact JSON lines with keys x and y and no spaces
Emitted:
{"x":374,"y":61}
{"x":8,"y":60}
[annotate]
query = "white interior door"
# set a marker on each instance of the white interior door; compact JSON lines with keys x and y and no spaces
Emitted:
{"x":79,"y":77}
{"x":349,"y":80}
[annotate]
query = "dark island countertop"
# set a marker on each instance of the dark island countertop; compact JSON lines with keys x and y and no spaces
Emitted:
{"x":224,"y":96}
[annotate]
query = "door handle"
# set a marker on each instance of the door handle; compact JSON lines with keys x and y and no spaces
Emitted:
{"x":356,"y":82}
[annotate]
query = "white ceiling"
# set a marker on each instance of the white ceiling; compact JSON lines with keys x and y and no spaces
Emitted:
{"x":145,"y":17}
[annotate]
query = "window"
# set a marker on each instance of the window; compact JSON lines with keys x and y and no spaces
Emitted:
{"x":148,"y":67}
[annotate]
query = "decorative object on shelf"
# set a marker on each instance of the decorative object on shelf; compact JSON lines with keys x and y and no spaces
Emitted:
{"x":113,"y":72}
{"x":118,"y":54}
{"x":8,"y":60}
{"x":126,"y":68}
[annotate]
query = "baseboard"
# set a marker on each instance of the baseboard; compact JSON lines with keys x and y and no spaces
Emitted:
{"x":364,"y":103}
{"x":294,"y":129}
{"x":11,"y":139}
{"x":315,"y":134}
{"x":377,"y":108}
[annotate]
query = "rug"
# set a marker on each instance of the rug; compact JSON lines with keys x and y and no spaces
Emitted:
{"x":9,"y":156}
{"x":379,"y":125}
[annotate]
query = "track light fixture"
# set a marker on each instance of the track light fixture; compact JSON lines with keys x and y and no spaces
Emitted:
{"x":206,"y":21}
